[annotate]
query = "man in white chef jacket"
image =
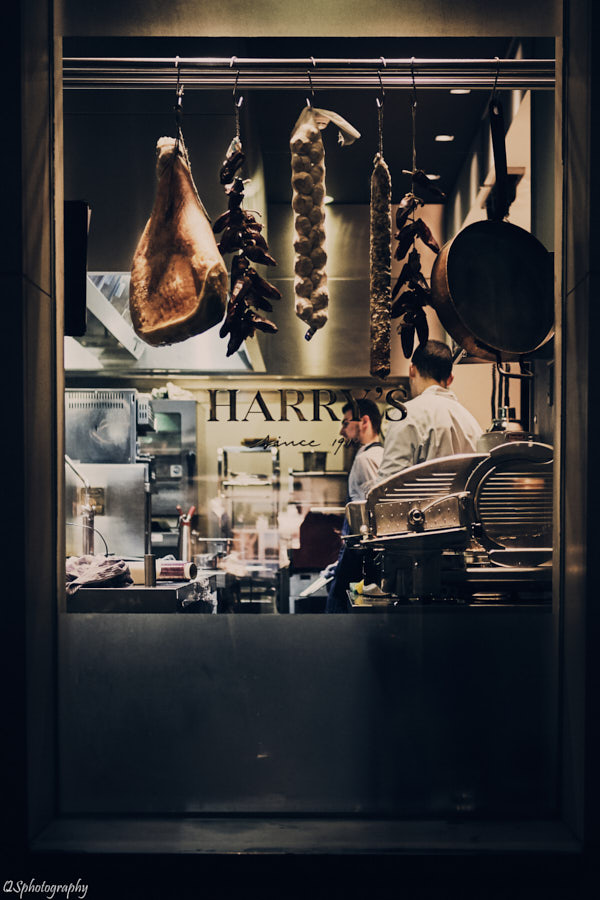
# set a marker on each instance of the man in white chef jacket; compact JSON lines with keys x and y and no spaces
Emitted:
{"x":436,"y":424}
{"x":361,"y":423}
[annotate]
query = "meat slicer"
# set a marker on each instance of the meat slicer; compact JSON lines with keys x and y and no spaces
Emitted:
{"x":468,"y":527}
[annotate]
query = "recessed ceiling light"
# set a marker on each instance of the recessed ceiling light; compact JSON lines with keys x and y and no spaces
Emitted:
{"x":444,"y":138}
{"x":460,"y":91}
{"x":327,"y":199}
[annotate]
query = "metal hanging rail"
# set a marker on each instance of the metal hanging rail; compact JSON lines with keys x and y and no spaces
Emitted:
{"x":213,"y":73}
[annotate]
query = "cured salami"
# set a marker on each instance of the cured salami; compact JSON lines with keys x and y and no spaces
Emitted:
{"x":380,"y":267}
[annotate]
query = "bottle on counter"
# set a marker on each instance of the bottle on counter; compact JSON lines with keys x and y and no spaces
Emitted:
{"x":184,"y":545}
{"x":149,"y":570}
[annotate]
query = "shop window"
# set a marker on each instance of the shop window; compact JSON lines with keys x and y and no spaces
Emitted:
{"x":221,"y":484}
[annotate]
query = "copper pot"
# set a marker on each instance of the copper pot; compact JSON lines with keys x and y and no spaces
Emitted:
{"x":492,"y":284}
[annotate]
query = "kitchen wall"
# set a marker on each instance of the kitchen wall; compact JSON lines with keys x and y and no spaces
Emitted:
{"x":317,"y":402}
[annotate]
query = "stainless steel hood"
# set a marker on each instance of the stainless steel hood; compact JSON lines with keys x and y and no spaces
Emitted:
{"x":111,"y":346}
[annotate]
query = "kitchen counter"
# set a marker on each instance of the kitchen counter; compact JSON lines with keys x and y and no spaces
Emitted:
{"x":358,"y":604}
{"x":165,"y":597}
{"x":473,"y":587}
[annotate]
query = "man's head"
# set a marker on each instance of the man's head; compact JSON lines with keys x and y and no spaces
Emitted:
{"x":365,"y":428}
{"x":431,"y":363}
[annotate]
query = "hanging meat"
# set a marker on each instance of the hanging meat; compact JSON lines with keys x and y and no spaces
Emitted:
{"x":380,"y":267}
{"x":308,"y":204}
{"x":240,"y":230}
{"x":178,"y":277}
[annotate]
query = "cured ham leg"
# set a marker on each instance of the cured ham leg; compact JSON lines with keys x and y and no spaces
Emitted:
{"x":178,"y":277}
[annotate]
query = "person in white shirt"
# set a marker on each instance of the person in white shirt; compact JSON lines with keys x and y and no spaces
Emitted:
{"x":436,"y":423}
{"x":364,"y":430}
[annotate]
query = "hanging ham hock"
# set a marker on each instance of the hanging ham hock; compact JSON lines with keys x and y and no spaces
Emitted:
{"x":178,"y":277}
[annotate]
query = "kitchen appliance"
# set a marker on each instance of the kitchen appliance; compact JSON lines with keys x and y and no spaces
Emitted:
{"x":208,"y":551}
{"x":501,"y":431}
{"x":86,"y":510}
{"x":101,"y":425}
{"x":464,"y":527}
{"x":172,"y":444}
{"x":118,"y":494}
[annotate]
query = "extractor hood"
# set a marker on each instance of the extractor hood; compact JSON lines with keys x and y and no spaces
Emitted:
{"x":111,"y":341}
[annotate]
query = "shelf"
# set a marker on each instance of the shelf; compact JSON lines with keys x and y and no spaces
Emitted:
{"x":254,"y":488}
{"x":241,"y":449}
{"x":257,"y":483}
{"x":300,"y":474}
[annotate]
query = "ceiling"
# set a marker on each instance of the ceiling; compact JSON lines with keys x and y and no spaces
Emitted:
{"x":269,"y":116}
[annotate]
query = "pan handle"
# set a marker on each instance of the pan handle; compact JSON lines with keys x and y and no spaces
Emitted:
{"x":499,"y":148}
{"x":523,"y":374}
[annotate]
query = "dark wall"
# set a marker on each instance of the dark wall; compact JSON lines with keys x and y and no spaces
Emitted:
{"x":425,"y":713}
